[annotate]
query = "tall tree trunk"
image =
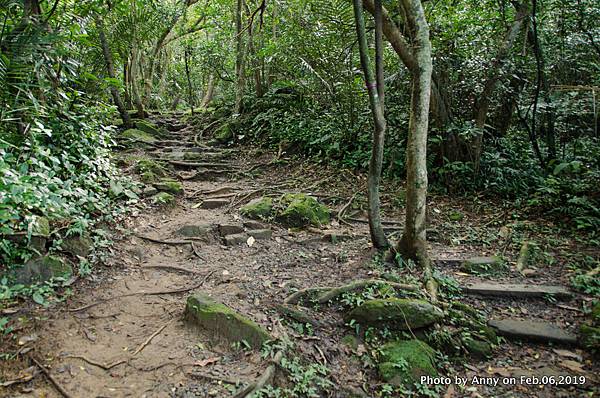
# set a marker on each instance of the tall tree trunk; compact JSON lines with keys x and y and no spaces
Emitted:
{"x":377,"y":235}
{"x":210,"y":90}
{"x":493,"y":76}
{"x":239,"y":59}
{"x":134,"y":71}
{"x":110,"y":69}
{"x":413,"y":244}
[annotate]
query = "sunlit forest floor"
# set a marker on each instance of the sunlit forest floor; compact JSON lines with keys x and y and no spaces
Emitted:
{"x":122,"y":332}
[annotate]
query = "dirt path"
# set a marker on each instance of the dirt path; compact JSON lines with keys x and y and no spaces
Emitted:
{"x":113,"y":339}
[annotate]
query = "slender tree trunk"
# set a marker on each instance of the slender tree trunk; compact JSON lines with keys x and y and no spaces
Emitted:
{"x":110,"y":69}
{"x":239,"y":61}
{"x":210,"y":90}
{"x":493,"y":76}
{"x":377,"y":235}
{"x":137,"y":100}
{"x":189,"y":80}
{"x":413,"y":244}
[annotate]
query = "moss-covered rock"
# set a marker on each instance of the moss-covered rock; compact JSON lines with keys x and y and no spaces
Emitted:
{"x":164,"y":198}
{"x":169,"y":185}
{"x":40,"y":231}
{"x":195,"y":230}
{"x":484,"y":265}
{"x":301,"y":210}
{"x":477,"y":348}
{"x":223,"y":134}
{"x":351,"y":341}
{"x":223,"y":322}
{"x":144,"y":165}
{"x":148,"y":177}
{"x":149,"y":127}
{"x":258,"y":209}
{"x":77,"y":245}
{"x":589,"y":337}
{"x":402,"y":363}
{"x":42,"y":269}
{"x":138,"y":136}
{"x":401,"y":314}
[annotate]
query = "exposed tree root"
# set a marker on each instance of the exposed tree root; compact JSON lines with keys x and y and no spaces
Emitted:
{"x":266,"y":378}
{"x":311,"y":292}
{"x":51,"y":378}
{"x":165,"y":242}
{"x":98,"y":364}
{"x":152,"y":336}
{"x":172,"y":268}
{"x":361,"y":284}
{"x":296,"y":314}
{"x":176,"y":291}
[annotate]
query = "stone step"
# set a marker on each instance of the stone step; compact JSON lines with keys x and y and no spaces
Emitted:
{"x":536,"y":331}
{"x":517,"y":290}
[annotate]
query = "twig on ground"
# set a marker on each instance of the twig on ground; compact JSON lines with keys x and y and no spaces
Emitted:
{"x":98,"y":364}
{"x":51,"y":378}
{"x":149,"y":339}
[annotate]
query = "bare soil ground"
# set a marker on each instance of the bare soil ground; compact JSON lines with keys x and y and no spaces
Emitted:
{"x":132,"y":340}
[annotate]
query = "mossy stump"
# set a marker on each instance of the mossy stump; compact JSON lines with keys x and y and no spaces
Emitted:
{"x":223,"y":323}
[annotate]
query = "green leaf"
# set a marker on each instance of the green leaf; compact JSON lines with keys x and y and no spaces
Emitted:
{"x":38,"y":298}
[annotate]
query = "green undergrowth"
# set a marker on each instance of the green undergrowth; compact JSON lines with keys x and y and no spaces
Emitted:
{"x":60,"y":173}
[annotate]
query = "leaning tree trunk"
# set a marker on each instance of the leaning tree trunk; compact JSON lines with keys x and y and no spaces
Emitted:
{"x":110,"y":69}
{"x":239,"y":60}
{"x":374,"y":88}
{"x":413,"y":244}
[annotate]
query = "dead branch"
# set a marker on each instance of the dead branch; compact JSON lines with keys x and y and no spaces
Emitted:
{"x":149,"y":339}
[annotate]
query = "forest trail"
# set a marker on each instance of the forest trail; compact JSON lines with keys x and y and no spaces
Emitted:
{"x":122,"y":334}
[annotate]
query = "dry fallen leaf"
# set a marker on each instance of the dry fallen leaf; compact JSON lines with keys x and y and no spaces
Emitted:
{"x":27,"y":339}
{"x":250,"y":241}
{"x":24,"y":376}
{"x":567,"y":354}
{"x":207,"y":361}
{"x":572,"y":365}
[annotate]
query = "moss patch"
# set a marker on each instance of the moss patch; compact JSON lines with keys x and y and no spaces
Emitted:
{"x":168,"y":185}
{"x":149,"y":127}
{"x":484,"y":265}
{"x":223,"y":134}
{"x":258,"y":209}
{"x":402,"y":314}
{"x":302,"y":210}
{"x":404,"y":362}
{"x":77,"y":245}
{"x":596,"y":314}
{"x":41,"y":270}
{"x":589,"y":337}
{"x":164,"y":198}
{"x":144,"y":165}
{"x":224,"y":323}
{"x":138,"y":136}
{"x":477,"y":348}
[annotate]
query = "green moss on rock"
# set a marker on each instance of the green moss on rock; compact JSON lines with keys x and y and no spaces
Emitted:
{"x":144,"y":165}
{"x":223,"y":322}
{"x":402,"y":314}
{"x":169,"y":185}
{"x":402,"y":363}
{"x":77,"y":245}
{"x":138,"y":136}
{"x":164,"y":198}
{"x":477,"y":348}
{"x":149,"y":127}
{"x":589,"y":337}
{"x":484,"y":265}
{"x":258,"y":209}
{"x":42,"y":269}
{"x":223,"y":134}
{"x":302,"y":210}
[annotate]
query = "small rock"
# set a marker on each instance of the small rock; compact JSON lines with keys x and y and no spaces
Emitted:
{"x":261,"y":208}
{"x":77,"y":245}
{"x":236,"y":239}
{"x":195,"y":231}
{"x":261,"y":233}
{"x":254,"y":225}
{"x":41,"y":270}
{"x":484,"y":265}
{"x":214,"y":203}
{"x":230,"y":229}
{"x":477,"y":348}
{"x":164,"y":198}
{"x":149,"y":191}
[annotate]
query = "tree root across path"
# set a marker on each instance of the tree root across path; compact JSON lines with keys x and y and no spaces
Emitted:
{"x":323,"y":295}
{"x":266,"y":378}
{"x":142,"y":293}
